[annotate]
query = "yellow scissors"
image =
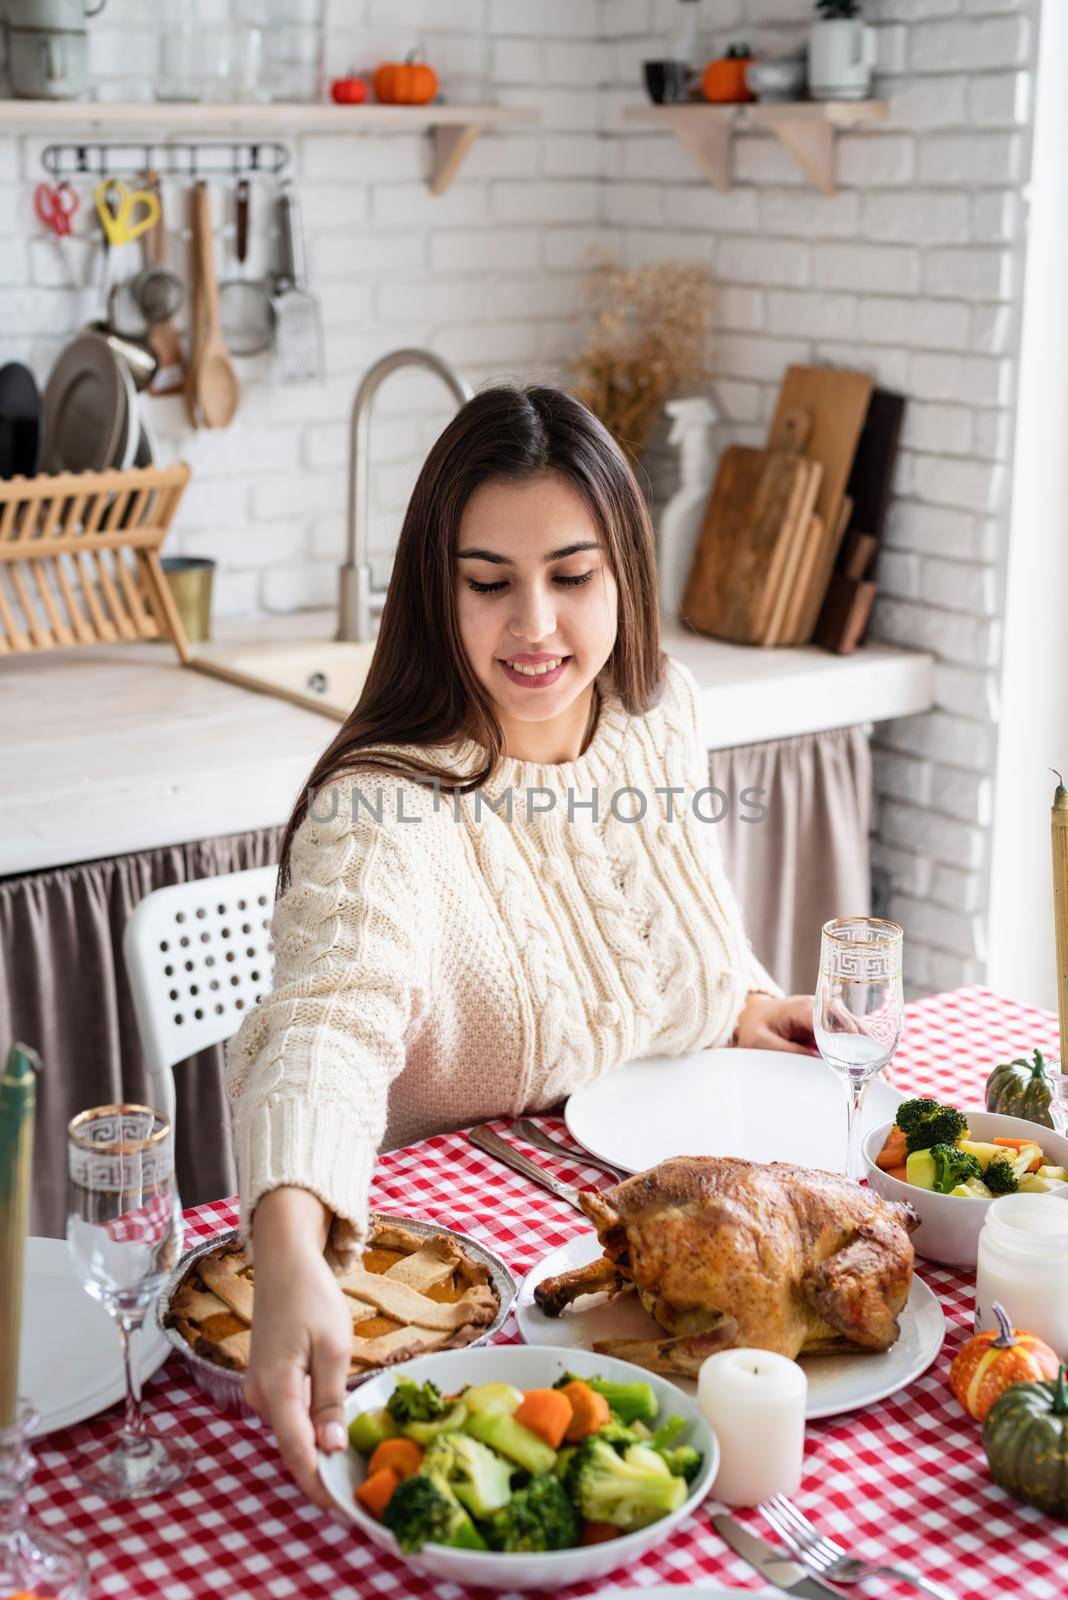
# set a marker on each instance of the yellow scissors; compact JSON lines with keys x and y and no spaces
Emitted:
{"x":118,"y":218}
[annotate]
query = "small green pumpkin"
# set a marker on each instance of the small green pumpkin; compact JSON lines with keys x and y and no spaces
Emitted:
{"x":1025,"y":1437}
{"x":1021,"y":1088}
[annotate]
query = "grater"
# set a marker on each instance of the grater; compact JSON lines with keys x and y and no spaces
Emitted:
{"x":298,"y":319}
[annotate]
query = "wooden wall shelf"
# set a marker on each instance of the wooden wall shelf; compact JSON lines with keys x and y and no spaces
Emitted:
{"x":453,"y":129}
{"x":805,"y":127}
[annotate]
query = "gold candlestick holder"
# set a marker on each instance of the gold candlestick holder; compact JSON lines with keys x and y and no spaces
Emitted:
{"x":1059,"y":830}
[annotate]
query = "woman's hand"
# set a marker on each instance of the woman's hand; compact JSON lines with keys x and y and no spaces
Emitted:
{"x":301,"y":1335}
{"x":768,"y":1023}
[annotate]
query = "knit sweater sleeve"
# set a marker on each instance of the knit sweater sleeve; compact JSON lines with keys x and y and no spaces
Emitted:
{"x":755,"y":974}
{"x":308,"y":1071}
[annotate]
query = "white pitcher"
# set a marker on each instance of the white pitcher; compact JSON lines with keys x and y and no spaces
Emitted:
{"x":841,"y":54}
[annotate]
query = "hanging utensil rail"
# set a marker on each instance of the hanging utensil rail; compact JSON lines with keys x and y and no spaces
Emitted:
{"x":178,"y":159}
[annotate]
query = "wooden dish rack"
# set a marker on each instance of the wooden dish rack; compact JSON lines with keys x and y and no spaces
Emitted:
{"x":79,"y":559}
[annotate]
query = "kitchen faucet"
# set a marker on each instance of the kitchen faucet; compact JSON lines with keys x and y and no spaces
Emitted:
{"x":358,"y":599}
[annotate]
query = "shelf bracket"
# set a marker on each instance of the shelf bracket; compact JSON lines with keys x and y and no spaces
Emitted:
{"x":707,"y":139}
{"x":811,"y":143}
{"x":451,"y":142}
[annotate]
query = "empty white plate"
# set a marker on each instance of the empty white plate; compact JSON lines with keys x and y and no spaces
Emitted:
{"x":761,"y":1105}
{"x":835,"y":1383}
{"x":70,"y":1364}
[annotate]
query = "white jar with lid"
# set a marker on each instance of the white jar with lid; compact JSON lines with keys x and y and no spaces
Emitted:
{"x":1023,"y":1263}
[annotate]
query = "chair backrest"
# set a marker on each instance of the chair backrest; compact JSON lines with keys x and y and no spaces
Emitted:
{"x":198,"y":957}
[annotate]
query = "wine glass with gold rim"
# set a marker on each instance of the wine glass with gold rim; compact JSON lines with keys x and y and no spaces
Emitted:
{"x":859,"y":1009}
{"x":124,"y":1234}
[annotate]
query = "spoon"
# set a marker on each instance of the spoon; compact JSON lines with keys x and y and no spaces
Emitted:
{"x":212,"y":390}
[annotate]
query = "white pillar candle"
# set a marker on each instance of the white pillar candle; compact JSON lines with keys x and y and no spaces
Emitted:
{"x":754,"y":1401}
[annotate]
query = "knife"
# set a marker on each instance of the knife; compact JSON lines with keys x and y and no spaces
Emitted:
{"x":772,"y":1563}
{"x":501,"y":1150}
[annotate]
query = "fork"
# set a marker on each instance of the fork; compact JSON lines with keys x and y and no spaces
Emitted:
{"x":532,"y":1134}
{"x":829,"y":1560}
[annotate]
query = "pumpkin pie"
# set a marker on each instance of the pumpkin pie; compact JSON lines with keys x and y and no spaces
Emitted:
{"x":411,"y":1294}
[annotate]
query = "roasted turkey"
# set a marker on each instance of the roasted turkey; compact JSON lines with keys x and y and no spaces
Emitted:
{"x":725,"y":1253}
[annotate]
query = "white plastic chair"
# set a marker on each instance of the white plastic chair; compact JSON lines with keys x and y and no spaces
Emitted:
{"x":198,"y":956}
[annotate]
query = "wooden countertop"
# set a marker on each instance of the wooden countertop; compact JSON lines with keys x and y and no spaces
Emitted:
{"x":117,"y":748}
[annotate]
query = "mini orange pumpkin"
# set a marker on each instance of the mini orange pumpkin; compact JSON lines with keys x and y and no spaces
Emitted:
{"x":723,"y":80}
{"x":993,"y":1361}
{"x":405,"y":83}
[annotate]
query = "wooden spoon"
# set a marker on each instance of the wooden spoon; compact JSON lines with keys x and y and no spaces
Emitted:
{"x":212,"y":389}
{"x":169,"y":377}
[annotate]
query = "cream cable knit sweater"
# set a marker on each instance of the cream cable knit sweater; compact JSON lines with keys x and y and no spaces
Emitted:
{"x":442,"y":966}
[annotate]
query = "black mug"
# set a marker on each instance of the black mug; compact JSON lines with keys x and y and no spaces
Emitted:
{"x":666,"y":81}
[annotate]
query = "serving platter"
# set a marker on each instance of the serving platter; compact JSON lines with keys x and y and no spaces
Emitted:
{"x":759,"y":1105}
{"x":836,"y":1384}
{"x":71,"y":1360}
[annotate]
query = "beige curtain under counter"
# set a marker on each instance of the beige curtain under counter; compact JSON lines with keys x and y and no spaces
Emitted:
{"x":810,"y":860}
{"x":64,"y":991}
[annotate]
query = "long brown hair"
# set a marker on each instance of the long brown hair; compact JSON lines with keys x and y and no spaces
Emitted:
{"x":420,"y":689}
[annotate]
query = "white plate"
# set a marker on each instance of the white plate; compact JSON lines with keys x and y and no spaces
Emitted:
{"x":761,"y":1105}
{"x":836,"y":1384}
{"x":71,"y":1366}
{"x":343,"y":1471}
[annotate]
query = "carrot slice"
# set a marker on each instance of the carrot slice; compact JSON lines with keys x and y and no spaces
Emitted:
{"x":597,"y":1532}
{"x":375,"y":1492}
{"x":546,"y":1412}
{"x":893,"y":1151}
{"x":900,"y":1173}
{"x":590,"y":1411}
{"x":403,"y":1455}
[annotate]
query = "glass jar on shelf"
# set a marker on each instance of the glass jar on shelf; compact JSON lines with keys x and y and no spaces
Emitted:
{"x":293,"y":46}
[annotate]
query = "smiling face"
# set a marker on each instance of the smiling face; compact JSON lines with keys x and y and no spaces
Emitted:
{"x":536,"y":603}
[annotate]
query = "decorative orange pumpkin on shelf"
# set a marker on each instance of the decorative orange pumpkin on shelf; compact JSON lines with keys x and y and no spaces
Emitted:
{"x":723,"y":80}
{"x":405,"y":83}
{"x":993,"y":1361}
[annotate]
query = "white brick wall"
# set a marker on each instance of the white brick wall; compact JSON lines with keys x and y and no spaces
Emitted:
{"x":911,"y":272}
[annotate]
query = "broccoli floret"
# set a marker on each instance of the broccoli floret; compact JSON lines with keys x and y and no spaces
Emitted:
{"x":683,"y":1462}
{"x":1000,"y":1178}
{"x":479,"y":1478}
{"x":629,"y":1491}
{"x":618,"y":1436}
{"x":538,"y":1517}
{"x":421,"y":1510}
{"x":925,"y":1123}
{"x":414,"y":1402}
{"x":667,"y":1433}
{"x":631,"y":1402}
{"x":953,"y":1166}
{"x":910,"y":1113}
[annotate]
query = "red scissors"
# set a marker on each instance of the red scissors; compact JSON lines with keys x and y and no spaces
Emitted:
{"x":55,"y":206}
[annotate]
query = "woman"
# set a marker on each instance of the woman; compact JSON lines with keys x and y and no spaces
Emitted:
{"x":437,"y":959}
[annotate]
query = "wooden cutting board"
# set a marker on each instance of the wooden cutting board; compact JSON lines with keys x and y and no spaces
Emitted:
{"x":744,"y":544}
{"x":807,"y":529}
{"x":873,"y":464}
{"x":821,"y":410}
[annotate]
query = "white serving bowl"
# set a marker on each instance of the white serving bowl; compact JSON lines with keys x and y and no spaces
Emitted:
{"x":949,"y":1224}
{"x":343,"y":1471}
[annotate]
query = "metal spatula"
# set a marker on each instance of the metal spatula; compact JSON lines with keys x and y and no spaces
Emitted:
{"x":298,"y":319}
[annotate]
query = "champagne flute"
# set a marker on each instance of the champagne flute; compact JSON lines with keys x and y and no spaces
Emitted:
{"x":859,"y":1009}
{"x":124,"y":1234}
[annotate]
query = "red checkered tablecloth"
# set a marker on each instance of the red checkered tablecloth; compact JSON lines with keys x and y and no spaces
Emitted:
{"x":904,"y":1479}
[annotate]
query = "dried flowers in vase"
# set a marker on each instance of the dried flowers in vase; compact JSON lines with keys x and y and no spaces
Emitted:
{"x":647,"y":342}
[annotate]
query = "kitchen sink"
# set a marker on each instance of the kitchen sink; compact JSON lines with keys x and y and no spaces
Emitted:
{"x":324,"y":675}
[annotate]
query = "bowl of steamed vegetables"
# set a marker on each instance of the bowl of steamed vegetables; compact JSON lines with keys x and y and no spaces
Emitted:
{"x":516,"y":1468}
{"x":949,"y":1164}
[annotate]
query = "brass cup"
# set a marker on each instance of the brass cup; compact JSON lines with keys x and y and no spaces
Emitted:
{"x":190,"y":578}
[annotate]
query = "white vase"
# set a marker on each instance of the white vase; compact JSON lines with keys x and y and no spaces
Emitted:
{"x":841,"y":54}
{"x":692,"y":421}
